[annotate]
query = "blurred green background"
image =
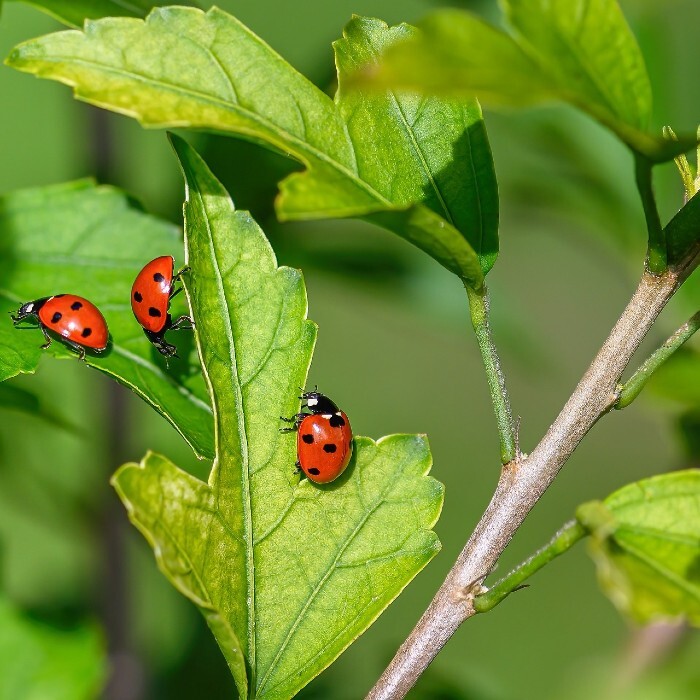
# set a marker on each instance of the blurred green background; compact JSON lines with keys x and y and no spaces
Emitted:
{"x":396,"y":351}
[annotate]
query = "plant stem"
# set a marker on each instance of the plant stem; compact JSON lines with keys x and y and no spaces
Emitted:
{"x":656,"y":252}
{"x":479,"y":310}
{"x":523,"y":482}
{"x":634,"y":385}
{"x":566,"y":538}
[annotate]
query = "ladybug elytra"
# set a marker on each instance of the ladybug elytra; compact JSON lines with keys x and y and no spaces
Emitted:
{"x":324,"y":438}
{"x":78,"y":322}
{"x":151,"y":293}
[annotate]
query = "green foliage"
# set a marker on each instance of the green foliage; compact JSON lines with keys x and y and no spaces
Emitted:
{"x":287,"y":573}
{"x":74,"y":12}
{"x":420,"y":166}
{"x":646,"y":545}
{"x":41,"y":663}
{"x":89,"y":240}
{"x":586,"y":56}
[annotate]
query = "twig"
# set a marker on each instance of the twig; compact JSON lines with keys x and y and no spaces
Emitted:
{"x":522,"y":483}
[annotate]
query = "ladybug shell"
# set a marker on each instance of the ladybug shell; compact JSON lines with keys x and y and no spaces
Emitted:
{"x":324,"y":446}
{"x":150,"y":293}
{"x":76,"y":319}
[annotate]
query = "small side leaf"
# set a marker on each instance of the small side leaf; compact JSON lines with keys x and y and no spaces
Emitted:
{"x":286,"y":572}
{"x":83,"y":239}
{"x":580,"y":52}
{"x":646,"y":546}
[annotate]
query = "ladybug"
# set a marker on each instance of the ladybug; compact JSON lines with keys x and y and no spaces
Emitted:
{"x":151,"y":293}
{"x":324,"y":438}
{"x":78,"y":322}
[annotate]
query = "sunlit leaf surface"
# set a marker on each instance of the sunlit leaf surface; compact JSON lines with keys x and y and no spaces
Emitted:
{"x":420,"y":166}
{"x":286,"y":572}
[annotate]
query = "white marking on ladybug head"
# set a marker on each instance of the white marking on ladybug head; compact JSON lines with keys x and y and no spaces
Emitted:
{"x":327,"y":416}
{"x":29,"y":307}
{"x":311,"y":401}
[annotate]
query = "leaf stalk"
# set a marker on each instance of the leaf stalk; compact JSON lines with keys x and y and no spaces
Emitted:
{"x":479,"y":311}
{"x":656,"y":252}
{"x":629,"y":391}
{"x":564,"y":540}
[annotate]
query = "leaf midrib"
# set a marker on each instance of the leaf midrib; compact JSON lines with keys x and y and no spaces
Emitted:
{"x":303,"y":148}
{"x":243,"y":436}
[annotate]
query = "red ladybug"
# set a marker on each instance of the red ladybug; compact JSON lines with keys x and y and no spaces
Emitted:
{"x":324,"y":438}
{"x":77,"y":321}
{"x":151,"y":293}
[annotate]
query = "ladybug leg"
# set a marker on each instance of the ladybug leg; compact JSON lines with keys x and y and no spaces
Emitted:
{"x":174,"y":292}
{"x":177,"y":323}
{"x":181,"y":272}
{"x":78,"y":348}
{"x":296,"y":419}
{"x":49,"y":339}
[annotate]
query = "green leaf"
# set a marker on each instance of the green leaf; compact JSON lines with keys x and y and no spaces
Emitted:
{"x":286,"y":572}
{"x":74,"y":12}
{"x":683,"y":231}
{"x":88,"y":240}
{"x":580,"y":52}
{"x":18,"y":399}
{"x":386,"y":157}
{"x":42,"y":663}
{"x":646,"y":545}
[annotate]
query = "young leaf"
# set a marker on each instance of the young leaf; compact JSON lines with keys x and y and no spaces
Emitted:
{"x":646,"y":545}
{"x":287,"y":573}
{"x":82,"y":239}
{"x":74,"y":12}
{"x":418,"y":166}
{"x":581,"y":53}
{"x":41,"y":662}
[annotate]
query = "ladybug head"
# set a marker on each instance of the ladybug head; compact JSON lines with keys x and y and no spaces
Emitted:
{"x":31,"y":308}
{"x":318,"y":403}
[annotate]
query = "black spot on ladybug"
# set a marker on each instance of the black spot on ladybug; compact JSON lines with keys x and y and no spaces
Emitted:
{"x":314,"y":471}
{"x":152,"y":311}
{"x":56,"y":317}
{"x":137,"y":297}
{"x":76,"y":305}
{"x":158,"y":278}
{"x":86,"y":332}
{"x":337,"y":421}
{"x":308,"y":438}
{"x":330,"y":447}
